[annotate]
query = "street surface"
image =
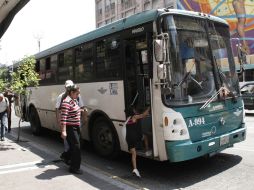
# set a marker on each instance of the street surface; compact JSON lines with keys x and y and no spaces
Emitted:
{"x":33,"y":163}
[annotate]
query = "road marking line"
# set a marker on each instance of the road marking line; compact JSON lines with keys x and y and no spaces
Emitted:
{"x":22,"y":167}
{"x":20,"y":164}
{"x":243,"y":149}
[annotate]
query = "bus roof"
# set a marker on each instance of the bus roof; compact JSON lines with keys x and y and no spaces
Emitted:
{"x":125,"y":23}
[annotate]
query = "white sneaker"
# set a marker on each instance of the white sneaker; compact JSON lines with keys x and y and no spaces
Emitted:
{"x":148,"y":153}
{"x":136,"y":172}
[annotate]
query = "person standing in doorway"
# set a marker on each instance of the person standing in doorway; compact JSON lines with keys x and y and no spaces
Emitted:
{"x":134,"y":135}
{"x":4,"y":112}
{"x":70,"y":127}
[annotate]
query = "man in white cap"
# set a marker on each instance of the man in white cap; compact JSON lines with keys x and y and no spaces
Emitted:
{"x":4,"y":112}
{"x":65,"y":155}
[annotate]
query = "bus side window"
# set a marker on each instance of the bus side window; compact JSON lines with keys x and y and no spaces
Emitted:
{"x":84,"y":68}
{"x":42,"y":71}
{"x":65,"y":66}
{"x":52,"y":69}
{"x":107,"y":59}
{"x":37,"y":66}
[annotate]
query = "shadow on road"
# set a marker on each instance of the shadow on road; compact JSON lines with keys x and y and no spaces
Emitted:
{"x":184,"y":174}
{"x":155,"y":174}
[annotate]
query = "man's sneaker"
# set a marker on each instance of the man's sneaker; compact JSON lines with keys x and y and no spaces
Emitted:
{"x":136,"y":173}
{"x":2,"y":139}
{"x":148,"y":153}
{"x":76,"y":171}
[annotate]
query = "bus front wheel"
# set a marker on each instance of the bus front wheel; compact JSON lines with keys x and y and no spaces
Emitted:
{"x":35,"y":121}
{"x":104,"y":138}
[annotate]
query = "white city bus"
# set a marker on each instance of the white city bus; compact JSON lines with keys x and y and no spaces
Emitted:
{"x":167,"y":59}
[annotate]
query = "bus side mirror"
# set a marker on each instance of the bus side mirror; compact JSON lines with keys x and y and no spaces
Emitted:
{"x":161,"y":71}
{"x":159,"y":50}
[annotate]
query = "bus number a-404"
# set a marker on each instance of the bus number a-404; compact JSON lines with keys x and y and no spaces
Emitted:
{"x":196,"y":122}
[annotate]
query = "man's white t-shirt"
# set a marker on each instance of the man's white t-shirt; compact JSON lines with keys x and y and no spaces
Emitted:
{"x":59,"y":98}
{"x":4,"y":105}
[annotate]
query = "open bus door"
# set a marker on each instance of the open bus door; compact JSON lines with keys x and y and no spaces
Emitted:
{"x":137,"y":83}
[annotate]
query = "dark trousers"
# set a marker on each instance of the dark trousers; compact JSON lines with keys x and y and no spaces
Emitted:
{"x":9,"y":120}
{"x":3,"y":123}
{"x":73,"y":133}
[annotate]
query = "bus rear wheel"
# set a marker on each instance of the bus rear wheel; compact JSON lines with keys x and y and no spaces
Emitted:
{"x":35,"y":121}
{"x":104,"y":138}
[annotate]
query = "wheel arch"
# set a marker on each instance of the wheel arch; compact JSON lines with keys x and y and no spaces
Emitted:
{"x":29,"y":110}
{"x":100,"y":114}
{"x":92,"y":118}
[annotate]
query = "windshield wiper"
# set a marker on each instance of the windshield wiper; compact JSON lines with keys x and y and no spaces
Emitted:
{"x":224,"y":80}
{"x":213,"y":97}
{"x":187,"y":75}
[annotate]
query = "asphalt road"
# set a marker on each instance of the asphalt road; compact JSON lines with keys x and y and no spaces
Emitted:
{"x":230,"y":169}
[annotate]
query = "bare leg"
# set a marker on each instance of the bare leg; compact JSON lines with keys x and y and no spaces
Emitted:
{"x":133,"y":158}
{"x":134,"y":162}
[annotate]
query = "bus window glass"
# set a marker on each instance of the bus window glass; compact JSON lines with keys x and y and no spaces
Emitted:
{"x":61,"y":60}
{"x":65,"y":70}
{"x":37,"y":66}
{"x":191,"y":63}
{"x":249,"y":75}
{"x":222,"y":54}
{"x":84,"y":63}
{"x":107,"y":59}
{"x":51,"y":72}
{"x":42,"y":70}
{"x":196,"y":67}
{"x":47,"y":63}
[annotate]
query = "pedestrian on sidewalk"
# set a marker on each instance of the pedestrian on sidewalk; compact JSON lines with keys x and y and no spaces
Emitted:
{"x":4,"y":112}
{"x":10,"y":96}
{"x":70,"y":127}
{"x":65,"y":156}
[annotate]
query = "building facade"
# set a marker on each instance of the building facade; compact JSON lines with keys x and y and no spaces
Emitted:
{"x":108,"y":11}
{"x":238,"y":13}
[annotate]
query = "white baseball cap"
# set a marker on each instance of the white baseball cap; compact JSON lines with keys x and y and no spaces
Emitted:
{"x":68,"y":83}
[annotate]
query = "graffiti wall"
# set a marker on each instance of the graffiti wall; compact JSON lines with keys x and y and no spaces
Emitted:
{"x":238,"y":13}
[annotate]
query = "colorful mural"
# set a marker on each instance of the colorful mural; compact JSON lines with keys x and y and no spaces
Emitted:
{"x":238,"y":13}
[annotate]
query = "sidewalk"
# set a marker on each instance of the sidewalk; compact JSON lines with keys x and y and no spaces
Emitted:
{"x":26,"y":166}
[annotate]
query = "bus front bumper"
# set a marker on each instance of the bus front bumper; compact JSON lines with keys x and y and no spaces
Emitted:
{"x":178,"y":151}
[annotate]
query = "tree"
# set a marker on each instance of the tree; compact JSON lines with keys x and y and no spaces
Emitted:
{"x":24,"y":76}
{"x":3,"y":78}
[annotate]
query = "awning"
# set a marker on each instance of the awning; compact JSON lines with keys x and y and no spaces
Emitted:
{"x":8,"y":9}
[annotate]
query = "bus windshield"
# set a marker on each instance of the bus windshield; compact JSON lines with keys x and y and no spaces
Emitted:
{"x":197,"y":72}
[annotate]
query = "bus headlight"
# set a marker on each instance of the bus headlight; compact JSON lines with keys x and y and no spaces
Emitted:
{"x":174,"y":128}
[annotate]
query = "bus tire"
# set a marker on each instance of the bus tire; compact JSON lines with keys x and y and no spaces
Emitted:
{"x":35,"y":121}
{"x":104,"y":138}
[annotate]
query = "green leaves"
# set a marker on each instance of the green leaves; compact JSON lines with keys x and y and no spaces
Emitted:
{"x":3,"y":78}
{"x":21,"y":78}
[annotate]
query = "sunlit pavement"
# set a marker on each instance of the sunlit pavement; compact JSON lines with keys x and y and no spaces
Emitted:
{"x":25,"y":166}
{"x":34,"y":164}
